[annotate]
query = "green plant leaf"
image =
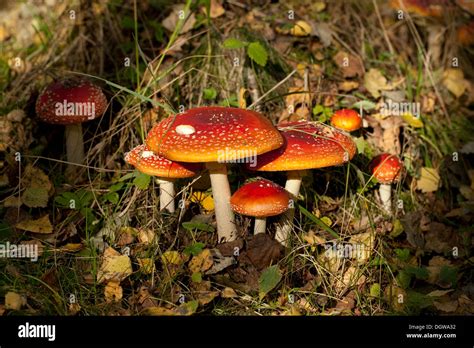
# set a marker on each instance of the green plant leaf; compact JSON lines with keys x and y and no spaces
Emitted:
{"x":269,"y":279}
{"x":209,"y":93}
{"x":403,"y":254}
{"x":196,"y":277}
{"x":194,"y":249}
{"x":142,"y":181}
{"x":232,"y":43}
{"x":257,"y":53}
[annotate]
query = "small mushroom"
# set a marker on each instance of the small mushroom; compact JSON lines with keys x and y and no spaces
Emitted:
{"x":347,"y":120}
{"x":71,"y":102}
{"x":142,"y":158}
{"x":260,"y":199}
{"x":386,"y":169}
{"x":308,"y":145}
{"x":215,"y":136}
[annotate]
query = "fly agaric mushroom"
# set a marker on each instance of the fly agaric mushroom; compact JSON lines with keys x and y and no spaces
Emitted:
{"x":386,"y":169}
{"x":71,"y":102}
{"x":307,"y":146}
{"x":260,"y":199}
{"x":346,"y":119}
{"x":215,"y":135}
{"x":142,"y":158}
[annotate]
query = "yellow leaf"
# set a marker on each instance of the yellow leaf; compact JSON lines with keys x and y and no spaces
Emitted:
{"x":242,"y":101}
{"x":413,"y":121}
{"x":41,"y":225}
{"x":301,"y":28}
{"x":375,"y":82}
{"x":429,"y":180}
{"x":14,"y":301}
{"x":453,"y":80}
{"x":204,"y":199}
{"x":326,"y":220}
{"x":201,"y":262}
{"x":171,"y":257}
{"x":113,"y":292}
{"x":347,"y":86}
{"x":158,"y":311}
{"x":71,"y":247}
{"x":114,"y":266}
{"x":147,"y":266}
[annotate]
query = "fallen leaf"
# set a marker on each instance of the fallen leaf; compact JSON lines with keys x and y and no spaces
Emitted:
{"x":175,"y":16}
{"x":204,"y":297}
{"x":228,"y":293}
{"x":347,"y":86}
{"x":220,"y":262}
{"x":204,"y":199}
{"x":453,"y":80}
{"x":448,"y":306}
{"x":429,"y":180}
{"x":301,"y":28}
{"x":439,"y":293}
{"x":172,"y":257}
{"x":216,"y":9}
{"x":14,"y":301}
{"x":349,"y":64}
{"x":201,"y":262}
{"x":375,"y":82}
{"x":146,"y":236}
{"x":158,"y":311}
{"x":113,"y":292}
{"x":71,"y":247}
{"x":261,"y":252}
{"x":38,"y":186}
{"x":12,"y":201}
{"x":413,"y":121}
{"x":147,"y":265}
{"x":115,"y":266}
{"x":268,"y":280}
{"x":41,"y":225}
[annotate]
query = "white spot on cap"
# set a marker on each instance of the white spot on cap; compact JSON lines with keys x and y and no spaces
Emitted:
{"x":146,"y":154}
{"x":185,"y":129}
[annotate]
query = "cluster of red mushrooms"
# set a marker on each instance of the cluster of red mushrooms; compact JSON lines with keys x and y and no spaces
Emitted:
{"x":181,"y":145}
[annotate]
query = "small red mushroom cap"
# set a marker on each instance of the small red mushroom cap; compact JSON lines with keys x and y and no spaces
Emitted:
{"x":346,"y":119}
{"x":386,"y":168}
{"x":213,"y":134}
{"x":261,"y":198}
{"x":308,"y":145}
{"x":70,"y":101}
{"x":142,"y":158}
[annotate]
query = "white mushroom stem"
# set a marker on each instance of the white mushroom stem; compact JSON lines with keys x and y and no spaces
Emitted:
{"x":260,"y":225}
{"x":385,"y":191}
{"x":166,"y":195}
{"x":293,"y":185}
{"x":226,"y":229}
{"x":74,"y":146}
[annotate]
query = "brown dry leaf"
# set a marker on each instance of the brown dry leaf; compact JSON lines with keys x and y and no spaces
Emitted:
{"x":440,"y":238}
{"x":41,"y":225}
{"x":375,"y":82}
{"x":71,"y":247}
{"x":14,"y":301}
{"x":429,"y":180}
{"x":12,"y":201}
{"x":262,"y":251}
{"x":172,"y":20}
{"x":201,"y":262}
{"x":313,"y":239}
{"x":113,"y":292}
{"x":228,"y":293}
{"x":347,"y":86}
{"x":146,"y":236}
{"x":454,"y":81}
{"x":297,"y":96}
{"x":74,"y":308}
{"x":220,"y":262}
{"x":428,"y":102}
{"x":448,"y":306}
{"x":216,"y":9}
{"x":242,"y":95}
{"x":114,"y":266}
{"x":126,"y":235}
{"x":204,"y":297}
{"x":349,"y":64}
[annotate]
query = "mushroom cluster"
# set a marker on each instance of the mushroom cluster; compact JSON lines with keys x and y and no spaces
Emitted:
{"x":215,"y":136}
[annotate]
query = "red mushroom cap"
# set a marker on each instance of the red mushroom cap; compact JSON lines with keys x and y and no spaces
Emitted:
{"x":424,"y":8}
{"x":386,"y":168}
{"x":307,"y":145}
{"x":213,"y":134}
{"x":346,"y":119}
{"x":142,"y":158}
{"x":70,"y":101}
{"x":465,"y":34}
{"x":261,"y":198}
